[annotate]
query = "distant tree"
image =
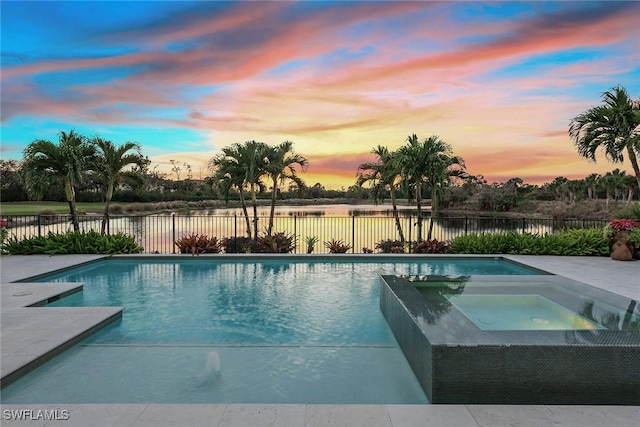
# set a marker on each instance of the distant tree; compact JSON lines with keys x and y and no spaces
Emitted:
{"x":63,"y":163}
{"x":12,"y":188}
{"x":591,"y":182}
{"x":613,"y":127}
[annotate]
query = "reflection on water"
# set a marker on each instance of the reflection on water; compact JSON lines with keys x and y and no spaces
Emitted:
{"x":612,"y":319}
{"x":437,"y":291}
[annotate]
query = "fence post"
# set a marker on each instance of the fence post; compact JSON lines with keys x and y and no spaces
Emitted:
{"x":410,"y":229}
{"x":108,"y":223}
{"x":39,"y":225}
{"x":235,"y":232}
{"x":466,"y":225}
{"x":353,"y":233}
{"x":295,"y":233}
{"x":524,"y":225}
{"x":173,"y":232}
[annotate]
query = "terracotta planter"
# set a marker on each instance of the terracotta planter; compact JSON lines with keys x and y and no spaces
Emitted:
{"x":621,"y":248}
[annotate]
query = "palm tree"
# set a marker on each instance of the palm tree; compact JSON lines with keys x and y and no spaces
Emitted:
{"x":280,"y":167}
{"x":254,"y":161}
{"x":429,"y":163}
{"x":65,"y":163}
{"x":383,"y":175}
{"x":110,"y":167}
{"x":591,"y":182}
{"x":612,"y":183}
{"x":240,"y":165}
{"x":629,"y":184}
{"x":613,"y":127}
{"x":229,"y":173}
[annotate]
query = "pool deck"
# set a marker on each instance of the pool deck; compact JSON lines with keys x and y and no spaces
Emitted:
{"x":31,"y":335}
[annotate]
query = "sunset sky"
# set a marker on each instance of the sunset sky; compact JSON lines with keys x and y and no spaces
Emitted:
{"x":499,"y":81}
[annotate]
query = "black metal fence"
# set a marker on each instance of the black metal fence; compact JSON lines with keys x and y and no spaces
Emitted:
{"x":157,"y":233}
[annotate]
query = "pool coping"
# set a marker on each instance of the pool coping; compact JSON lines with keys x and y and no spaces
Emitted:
{"x":619,"y":277}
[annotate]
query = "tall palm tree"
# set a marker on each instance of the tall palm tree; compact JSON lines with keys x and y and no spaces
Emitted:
{"x":383,"y":175}
{"x":64,"y":162}
{"x":243,"y":165}
{"x":613,"y":127}
{"x":429,"y":163}
{"x":110,"y":167}
{"x":254,"y":161}
{"x":280,"y":166}
{"x":229,"y":173}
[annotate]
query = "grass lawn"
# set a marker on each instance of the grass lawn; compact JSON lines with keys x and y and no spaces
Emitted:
{"x":32,"y":208}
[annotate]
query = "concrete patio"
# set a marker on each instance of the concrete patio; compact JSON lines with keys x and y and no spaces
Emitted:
{"x":31,"y":335}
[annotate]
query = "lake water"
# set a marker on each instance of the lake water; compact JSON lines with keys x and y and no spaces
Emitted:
{"x":360,"y":226}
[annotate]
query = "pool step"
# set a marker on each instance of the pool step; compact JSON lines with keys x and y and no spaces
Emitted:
{"x":31,"y":334}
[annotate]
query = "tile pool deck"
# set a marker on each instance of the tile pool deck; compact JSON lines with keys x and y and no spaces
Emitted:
{"x":27,"y":334}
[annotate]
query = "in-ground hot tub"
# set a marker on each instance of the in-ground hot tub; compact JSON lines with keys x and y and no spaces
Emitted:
{"x":524,"y":340}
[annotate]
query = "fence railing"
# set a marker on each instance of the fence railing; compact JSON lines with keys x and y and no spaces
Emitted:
{"x":157,"y":233}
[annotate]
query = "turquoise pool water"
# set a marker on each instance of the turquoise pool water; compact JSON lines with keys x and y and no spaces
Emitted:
{"x":268,"y":331}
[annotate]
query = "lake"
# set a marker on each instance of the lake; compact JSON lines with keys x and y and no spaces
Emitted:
{"x":361,"y":226}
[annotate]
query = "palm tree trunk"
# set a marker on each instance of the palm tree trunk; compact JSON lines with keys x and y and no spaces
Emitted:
{"x":419,"y":206}
{"x":634,"y":163}
{"x":396,"y":215}
{"x":105,"y":216}
{"x":71,"y":199}
{"x":245,"y":212}
{"x":107,"y":204}
{"x":273,"y":205}
{"x":430,"y":233}
{"x":254,"y":202}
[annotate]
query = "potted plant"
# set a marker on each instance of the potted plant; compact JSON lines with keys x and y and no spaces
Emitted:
{"x":624,"y":238}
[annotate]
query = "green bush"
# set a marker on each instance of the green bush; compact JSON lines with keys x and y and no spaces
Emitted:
{"x":578,"y":242}
{"x":73,"y":242}
{"x":632,"y":211}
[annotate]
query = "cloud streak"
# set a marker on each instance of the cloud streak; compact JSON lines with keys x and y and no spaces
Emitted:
{"x":337,"y":78}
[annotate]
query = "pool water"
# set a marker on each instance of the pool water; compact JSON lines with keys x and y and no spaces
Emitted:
{"x":202,"y":330}
{"x":519,"y":313}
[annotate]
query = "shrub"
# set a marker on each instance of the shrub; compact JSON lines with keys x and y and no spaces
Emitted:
{"x":3,"y":231}
{"x":73,"y":242}
{"x":198,"y":244}
{"x":578,"y":242}
{"x":390,"y":246}
{"x":337,"y":246}
{"x":366,"y":250}
{"x":239,"y":245}
{"x":311,"y":243}
{"x":278,"y":243}
{"x":632,"y":211}
{"x":432,"y":246}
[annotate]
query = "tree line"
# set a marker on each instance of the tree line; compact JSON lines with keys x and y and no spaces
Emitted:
{"x":97,"y":169}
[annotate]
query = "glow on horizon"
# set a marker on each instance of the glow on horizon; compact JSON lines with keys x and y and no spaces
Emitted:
{"x":499,"y":81}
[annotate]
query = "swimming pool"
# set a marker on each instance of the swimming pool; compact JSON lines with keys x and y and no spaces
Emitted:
{"x":238,"y":330}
